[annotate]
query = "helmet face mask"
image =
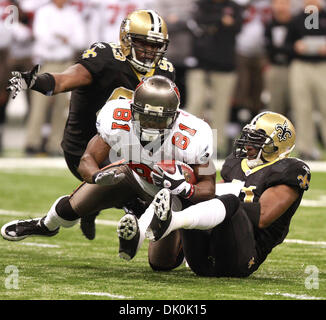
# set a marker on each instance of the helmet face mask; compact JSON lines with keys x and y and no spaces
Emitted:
{"x":257,"y":139}
{"x":155,"y":108}
{"x":144,"y":39}
{"x":271,"y":135}
{"x":149,"y":118}
{"x":146,"y":54}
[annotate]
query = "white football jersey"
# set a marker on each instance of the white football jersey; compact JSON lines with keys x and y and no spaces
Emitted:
{"x":106,"y":17}
{"x":189,"y":141}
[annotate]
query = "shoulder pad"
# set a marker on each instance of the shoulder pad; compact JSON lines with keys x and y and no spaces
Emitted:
{"x":101,"y":56}
{"x":166,"y":68}
{"x":292,"y":172}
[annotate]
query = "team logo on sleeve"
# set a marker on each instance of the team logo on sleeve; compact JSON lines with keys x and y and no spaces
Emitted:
{"x":283,"y":131}
{"x":304,"y":179}
{"x":89,"y":53}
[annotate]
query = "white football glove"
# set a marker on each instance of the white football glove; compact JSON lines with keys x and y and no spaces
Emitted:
{"x":22,"y":80}
{"x":108,"y":178}
{"x":175,"y":182}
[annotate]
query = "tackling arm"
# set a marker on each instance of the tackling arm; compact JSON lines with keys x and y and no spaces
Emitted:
{"x":49,"y":83}
{"x":274,"y":202}
{"x":204,"y":189}
{"x":73,"y":77}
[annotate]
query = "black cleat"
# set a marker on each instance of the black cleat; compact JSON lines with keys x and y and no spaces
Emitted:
{"x":128,"y":232}
{"x":21,"y":229}
{"x":87,"y":226}
{"x":162,"y":216}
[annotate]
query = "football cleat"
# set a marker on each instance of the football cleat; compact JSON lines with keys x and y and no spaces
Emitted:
{"x":20,"y":229}
{"x":87,"y":226}
{"x":128,"y":232}
{"x":162,"y":217}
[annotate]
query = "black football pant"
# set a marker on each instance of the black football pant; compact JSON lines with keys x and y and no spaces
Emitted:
{"x":228,"y":250}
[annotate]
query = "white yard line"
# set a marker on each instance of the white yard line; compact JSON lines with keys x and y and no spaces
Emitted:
{"x":42,"y":245}
{"x":294,"y":296}
{"x":313,"y":203}
{"x":105,"y":294}
{"x":107,"y":222}
{"x":59,"y":163}
{"x":14,"y":213}
{"x":29,"y":163}
{"x":115,"y":223}
{"x":312,"y":243}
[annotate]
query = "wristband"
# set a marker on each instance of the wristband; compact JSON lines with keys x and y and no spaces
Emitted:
{"x":253,"y":211}
{"x":44,"y":83}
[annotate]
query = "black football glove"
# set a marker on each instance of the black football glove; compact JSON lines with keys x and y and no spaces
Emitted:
{"x":175,"y":182}
{"x":22,"y":80}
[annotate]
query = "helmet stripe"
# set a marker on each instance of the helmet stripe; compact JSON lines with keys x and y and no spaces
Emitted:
{"x":156,"y":21}
{"x":257,"y":117}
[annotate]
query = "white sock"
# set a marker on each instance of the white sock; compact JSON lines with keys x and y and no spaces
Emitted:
{"x":202,"y":216}
{"x":52,"y":221}
{"x":143,"y":223}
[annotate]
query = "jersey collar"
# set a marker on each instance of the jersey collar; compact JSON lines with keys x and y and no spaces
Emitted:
{"x":247,"y":171}
{"x":140,"y":75}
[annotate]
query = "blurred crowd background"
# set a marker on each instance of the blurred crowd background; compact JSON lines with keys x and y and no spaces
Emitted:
{"x":233,"y":60}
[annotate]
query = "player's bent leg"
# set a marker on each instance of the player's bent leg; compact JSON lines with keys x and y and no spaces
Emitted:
{"x":87,"y":223}
{"x":21,"y":229}
{"x":87,"y":226}
{"x":196,"y":248}
{"x":60,"y":215}
{"x":166,"y":254}
{"x":159,"y":226}
{"x":228,"y":250}
{"x":129,"y":236}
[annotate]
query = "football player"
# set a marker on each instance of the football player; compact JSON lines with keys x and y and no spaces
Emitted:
{"x":103,"y":72}
{"x":268,"y":188}
{"x":135,"y":135}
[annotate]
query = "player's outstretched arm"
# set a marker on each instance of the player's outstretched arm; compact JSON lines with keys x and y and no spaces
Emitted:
{"x":49,"y":83}
{"x":74,"y":77}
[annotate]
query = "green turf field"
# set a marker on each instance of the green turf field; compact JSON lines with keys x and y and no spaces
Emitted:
{"x":68,"y":266}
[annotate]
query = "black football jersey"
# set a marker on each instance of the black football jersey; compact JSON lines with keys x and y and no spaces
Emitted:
{"x":289,"y":171}
{"x":113,"y":78}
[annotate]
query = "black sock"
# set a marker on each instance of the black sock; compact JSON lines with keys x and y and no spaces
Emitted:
{"x":65,"y":211}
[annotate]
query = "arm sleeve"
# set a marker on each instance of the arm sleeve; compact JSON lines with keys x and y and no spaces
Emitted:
{"x":96,"y":59}
{"x":296,"y":174}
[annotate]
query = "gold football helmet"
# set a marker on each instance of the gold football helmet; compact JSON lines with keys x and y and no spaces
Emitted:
{"x":272,"y":134}
{"x":144,"y":39}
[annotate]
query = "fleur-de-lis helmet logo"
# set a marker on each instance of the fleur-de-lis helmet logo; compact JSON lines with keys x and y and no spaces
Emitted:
{"x":283,"y":131}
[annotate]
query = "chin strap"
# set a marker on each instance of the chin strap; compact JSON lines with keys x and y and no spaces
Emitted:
{"x":255,"y":162}
{"x":137,"y":64}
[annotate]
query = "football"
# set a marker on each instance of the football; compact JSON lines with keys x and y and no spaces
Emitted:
{"x":188,"y":172}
